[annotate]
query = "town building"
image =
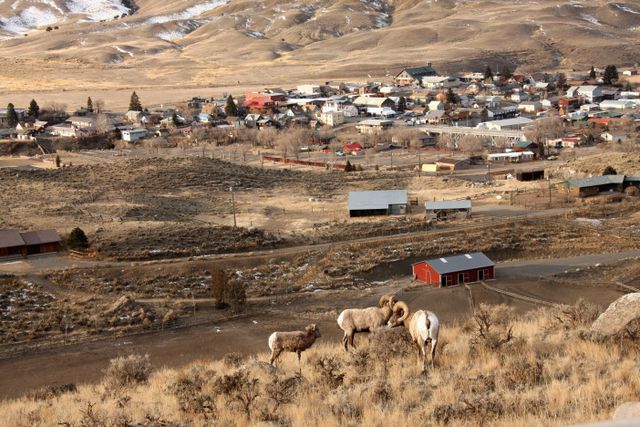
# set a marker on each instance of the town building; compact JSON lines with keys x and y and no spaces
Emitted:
{"x":414,"y":75}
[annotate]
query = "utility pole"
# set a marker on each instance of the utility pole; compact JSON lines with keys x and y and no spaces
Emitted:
{"x":233,"y":206}
{"x":549,"y":181}
{"x":419,"y":163}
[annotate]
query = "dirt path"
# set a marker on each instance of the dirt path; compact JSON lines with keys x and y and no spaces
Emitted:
{"x":40,"y":264}
{"x":86,"y":362}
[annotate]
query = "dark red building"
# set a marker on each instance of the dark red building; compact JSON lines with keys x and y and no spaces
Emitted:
{"x":454,"y":270}
{"x":14,"y":243}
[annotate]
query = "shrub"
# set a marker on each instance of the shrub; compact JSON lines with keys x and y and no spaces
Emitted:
{"x":521,"y":372}
{"x":51,"y":391}
{"x":127,"y":371}
{"x":609,"y":170}
{"x":240,"y":389}
{"x":329,"y":371}
{"x":188,"y":389}
{"x":581,"y":314}
{"x":492,"y":328}
{"x":77,"y":239}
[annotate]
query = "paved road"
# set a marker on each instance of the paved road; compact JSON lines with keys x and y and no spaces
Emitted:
{"x":549,"y":267}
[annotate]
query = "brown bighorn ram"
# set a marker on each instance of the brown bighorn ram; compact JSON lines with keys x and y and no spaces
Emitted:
{"x":354,"y":320}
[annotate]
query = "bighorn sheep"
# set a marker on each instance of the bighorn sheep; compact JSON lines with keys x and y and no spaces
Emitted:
{"x":294,"y":342}
{"x":423,"y":325}
{"x":353,"y":320}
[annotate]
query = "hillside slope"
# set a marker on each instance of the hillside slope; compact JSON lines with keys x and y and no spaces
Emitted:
{"x":224,"y":41}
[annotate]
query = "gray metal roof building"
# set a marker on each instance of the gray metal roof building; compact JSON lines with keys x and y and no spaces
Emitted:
{"x":457,"y":263}
{"x":596,"y":181}
{"x":10,"y":239}
{"x":448,"y":204}
{"x":383,"y":202}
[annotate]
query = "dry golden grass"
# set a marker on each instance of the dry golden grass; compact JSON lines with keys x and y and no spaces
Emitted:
{"x":548,"y":373}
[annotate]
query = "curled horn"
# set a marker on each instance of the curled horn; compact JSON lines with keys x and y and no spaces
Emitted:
{"x":401,"y":305}
{"x":384,"y":299}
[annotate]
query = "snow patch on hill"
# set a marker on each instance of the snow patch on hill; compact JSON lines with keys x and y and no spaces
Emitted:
{"x":97,"y":10}
{"x":27,"y":19}
{"x":189,"y":13}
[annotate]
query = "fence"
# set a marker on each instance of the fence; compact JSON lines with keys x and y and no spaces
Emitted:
{"x":284,"y":160}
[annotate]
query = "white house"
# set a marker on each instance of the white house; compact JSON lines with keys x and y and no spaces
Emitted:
{"x":133,"y":135}
{"x":530,"y":106}
{"x":588,"y":92}
{"x":440,"y":82}
{"x":82,"y":122}
{"x":333,"y":118}
{"x":511,"y":157}
{"x":613,"y":137}
{"x":63,"y":129}
{"x":619,"y":104}
{"x":516,"y":123}
{"x":436,"y":105}
{"x":309,"y":89}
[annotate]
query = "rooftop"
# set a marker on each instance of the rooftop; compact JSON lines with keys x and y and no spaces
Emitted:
{"x":460,"y":262}
{"x":382,"y":199}
{"x":448,"y":204}
{"x":596,"y":181}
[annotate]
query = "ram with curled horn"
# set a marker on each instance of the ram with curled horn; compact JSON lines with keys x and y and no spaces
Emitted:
{"x":354,"y":320}
{"x":424,"y":327}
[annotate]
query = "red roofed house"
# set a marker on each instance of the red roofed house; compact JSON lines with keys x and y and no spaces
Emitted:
{"x":350,"y":148}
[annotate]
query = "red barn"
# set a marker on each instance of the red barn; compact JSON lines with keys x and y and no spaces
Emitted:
{"x":454,"y":270}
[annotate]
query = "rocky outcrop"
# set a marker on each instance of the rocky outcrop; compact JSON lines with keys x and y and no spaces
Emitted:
{"x":618,"y":316}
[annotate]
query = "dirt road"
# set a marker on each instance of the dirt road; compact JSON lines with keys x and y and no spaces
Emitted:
{"x":86,"y":362}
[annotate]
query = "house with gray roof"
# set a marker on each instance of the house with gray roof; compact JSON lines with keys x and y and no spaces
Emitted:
{"x":414,"y":75}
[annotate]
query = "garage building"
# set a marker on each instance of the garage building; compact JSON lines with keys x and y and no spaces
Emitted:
{"x":384,"y":202}
{"x":454,"y":270}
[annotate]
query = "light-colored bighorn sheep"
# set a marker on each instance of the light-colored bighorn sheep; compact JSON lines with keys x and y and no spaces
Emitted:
{"x":353,"y":320}
{"x":294,"y":342}
{"x":423,"y":325}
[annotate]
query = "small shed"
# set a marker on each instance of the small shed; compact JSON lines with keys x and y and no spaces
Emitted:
{"x":384,"y":202}
{"x":454,"y":270}
{"x":11,"y":243}
{"x":41,"y":242}
{"x":448,"y":209}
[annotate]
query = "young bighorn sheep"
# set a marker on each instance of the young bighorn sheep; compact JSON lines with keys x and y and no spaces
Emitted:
{"x":294,"y":342}
{"x":423,"y":325}
{"x":353,"y":320}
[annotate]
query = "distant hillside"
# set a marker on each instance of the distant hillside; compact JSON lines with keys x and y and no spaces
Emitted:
{"x":206,"y":42}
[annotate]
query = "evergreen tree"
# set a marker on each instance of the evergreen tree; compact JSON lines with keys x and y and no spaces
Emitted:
{"x":134,"y":103}
{"x":610,"y":74}
{"x":12,"y":116}
{"x":402,"y":104}
{"x":452,"y":98}
{"x":89,"y":105}
{"x":34,"y":108}
{"x":561,"y":81}
{"x":348,"y":167}
{"x":58,"y":161}
{"x":506,"y":73}
{"x":592,"y":73}
{"x":77,"y":239}
{"x":231,"y":109}
{"x":488,"y":74}
{"x":609,"y":170}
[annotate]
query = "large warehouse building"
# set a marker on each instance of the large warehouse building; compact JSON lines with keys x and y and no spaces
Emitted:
{"x":454,"y":270}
